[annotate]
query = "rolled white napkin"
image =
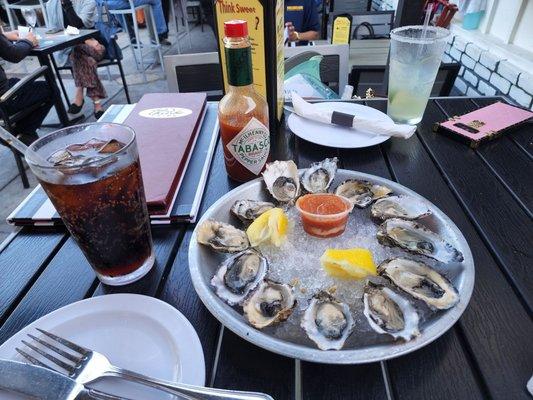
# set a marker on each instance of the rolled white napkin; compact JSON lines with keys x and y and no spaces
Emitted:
{"x":72,"y":30}
{"x":383,"y":127}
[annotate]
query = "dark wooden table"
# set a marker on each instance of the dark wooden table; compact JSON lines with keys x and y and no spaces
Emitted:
{"x":48,"y":45}
{"x":488,"y":354}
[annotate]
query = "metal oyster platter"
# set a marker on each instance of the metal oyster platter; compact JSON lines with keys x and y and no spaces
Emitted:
{"x":364,"y":344}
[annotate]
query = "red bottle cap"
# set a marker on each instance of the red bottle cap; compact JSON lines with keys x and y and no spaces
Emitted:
{"x":236,"y":28}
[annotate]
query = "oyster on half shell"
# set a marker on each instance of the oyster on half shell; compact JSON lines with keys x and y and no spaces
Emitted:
{"x":360,"y":192}
{"x":222,"y":237}
{"x":417,"y":239}
{"x":238,"y":275}
{"x":401,"y":206}
{"x":248,"y":210}
{"x":282,"y":180}
{"x":327,"y":321}
{"x":390,"y":313}
{"x":318,"y":177}
{"x":270,"y":303}
{"x":420,"y":281}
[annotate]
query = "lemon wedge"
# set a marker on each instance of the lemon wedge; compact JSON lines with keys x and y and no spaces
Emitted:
{"x":348,"y":263}
{"x":271,"y":226}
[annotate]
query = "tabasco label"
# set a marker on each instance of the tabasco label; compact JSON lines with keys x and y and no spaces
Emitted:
{"x":251,"y":146}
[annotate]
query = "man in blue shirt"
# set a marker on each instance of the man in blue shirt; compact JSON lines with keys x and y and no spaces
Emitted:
{"x":301,"y":20}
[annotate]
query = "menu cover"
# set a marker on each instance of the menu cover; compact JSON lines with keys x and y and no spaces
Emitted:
{"x":37,"y":210}
{"x":166,"y":125}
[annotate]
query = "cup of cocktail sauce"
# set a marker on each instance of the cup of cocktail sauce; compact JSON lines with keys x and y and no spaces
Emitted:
{"x":324,"y":214}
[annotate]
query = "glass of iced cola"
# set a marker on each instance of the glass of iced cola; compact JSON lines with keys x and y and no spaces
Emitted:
{"x":92,"y":175}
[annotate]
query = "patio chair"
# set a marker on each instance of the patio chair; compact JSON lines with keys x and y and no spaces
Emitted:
{"x":138,"y":43}
{"x":101,"y":64}
{"x":334,"y":66}
{"x":19,"y":5}
{"x":197,"y":12}
{"x":372,"y":76}
{"x":198,"y":72}
{"x":372,"y":25}
{"x":10,"y":121}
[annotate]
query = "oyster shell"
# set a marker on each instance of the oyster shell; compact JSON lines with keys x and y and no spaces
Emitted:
{"x":318,"y":177}
{"x":420,"y":281}
{"x":417,"y":239}
{"x":270,"y":303}
{"x":238,"y":275}
{"x":282,"y":180}
{"x":327,"y":321}
{"x":360,"y":192}
{"x":222,"y":237}
{"x":248,"y":210}
{"x":389,"y":312}
{"x":401,"y":206}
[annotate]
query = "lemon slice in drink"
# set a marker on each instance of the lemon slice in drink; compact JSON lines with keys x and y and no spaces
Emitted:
{"x":271,"y":226}
{"x":348,"y":263}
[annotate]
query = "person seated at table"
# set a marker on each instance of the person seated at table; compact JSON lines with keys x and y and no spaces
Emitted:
{"x":157,"y":11}
{"x":84,"y":57}
{"x":301,"y":20}
{"x":14,"y":49}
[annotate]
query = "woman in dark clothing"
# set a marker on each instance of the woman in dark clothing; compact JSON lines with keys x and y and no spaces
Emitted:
{"x":14,"y":49}
{"x":84,"y":57}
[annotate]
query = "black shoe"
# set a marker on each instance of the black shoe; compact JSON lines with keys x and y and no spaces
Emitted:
{"x":98,"y":114}
{"x":163,"y":41}
{"x":27,"y":138}
{"x":74,"y":108}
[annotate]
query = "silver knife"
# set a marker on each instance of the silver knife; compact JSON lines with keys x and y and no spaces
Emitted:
{"x":45,"y":384}
{"x":337,"y":117}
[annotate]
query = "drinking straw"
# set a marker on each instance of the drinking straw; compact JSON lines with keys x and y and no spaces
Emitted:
{"x":424,"y":29}
{"x":21,"y":147}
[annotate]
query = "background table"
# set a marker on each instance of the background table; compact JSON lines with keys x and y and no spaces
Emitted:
{"x":48,"y":45}
{"x":488,"y":193}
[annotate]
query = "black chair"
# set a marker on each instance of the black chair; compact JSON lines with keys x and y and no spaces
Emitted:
{"x":10,"y":121}
{"x":197,"y":72}
{"x":373,"y":76}
{"x":101,"y":64}
{"x":372,"y":25}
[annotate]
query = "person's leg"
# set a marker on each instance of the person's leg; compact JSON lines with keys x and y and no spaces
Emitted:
{"x":84,"y":70}
{"x":157,"y":10}
{"x":37,"y":92}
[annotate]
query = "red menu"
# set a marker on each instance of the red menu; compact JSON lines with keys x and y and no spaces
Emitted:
{"x":166,"y":125}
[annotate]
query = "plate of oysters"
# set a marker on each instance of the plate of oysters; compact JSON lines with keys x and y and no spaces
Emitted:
{"x":330,"y":265}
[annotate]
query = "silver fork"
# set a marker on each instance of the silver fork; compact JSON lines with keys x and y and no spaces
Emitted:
{"x":87,"y":366}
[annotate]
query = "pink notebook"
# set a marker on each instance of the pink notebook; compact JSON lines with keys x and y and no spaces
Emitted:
{"x":484,"y":124}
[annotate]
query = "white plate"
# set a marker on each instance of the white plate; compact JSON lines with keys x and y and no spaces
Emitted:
{"x":334,"y":135}
{"x":137,"y":332}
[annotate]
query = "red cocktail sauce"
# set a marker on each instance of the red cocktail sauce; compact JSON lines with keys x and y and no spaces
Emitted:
{"x":324,"y":214}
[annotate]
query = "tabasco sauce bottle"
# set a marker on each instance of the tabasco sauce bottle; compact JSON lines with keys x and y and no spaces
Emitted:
{"x":242,"y":112}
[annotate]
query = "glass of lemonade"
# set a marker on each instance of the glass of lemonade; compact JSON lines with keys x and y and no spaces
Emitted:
{"x":92,"y":176}
{"x":414,"y":62}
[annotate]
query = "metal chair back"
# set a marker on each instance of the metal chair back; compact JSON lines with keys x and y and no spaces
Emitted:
{"x":197,"y":72}
{"x":372,"y":24}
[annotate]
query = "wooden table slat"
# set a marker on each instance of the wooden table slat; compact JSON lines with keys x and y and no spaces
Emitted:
{"x":18,"y":266}
{"x":66,"y":279}
{"x":485,"y":200}
{"x":495,"y":324}
{"x":508,"y":163}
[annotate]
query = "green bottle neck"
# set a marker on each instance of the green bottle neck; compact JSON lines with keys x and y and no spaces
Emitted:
{"x":239,"y":66}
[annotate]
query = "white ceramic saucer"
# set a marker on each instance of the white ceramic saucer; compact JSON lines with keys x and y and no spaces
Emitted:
{"x":136,"y":332}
